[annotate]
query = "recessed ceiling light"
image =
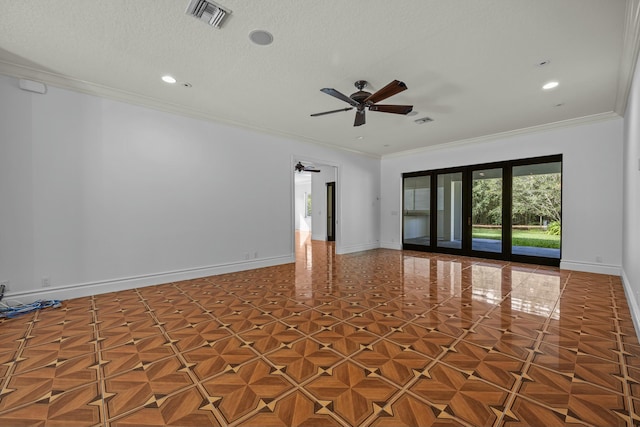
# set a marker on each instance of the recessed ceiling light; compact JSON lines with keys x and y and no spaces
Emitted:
{"x":386,"y":145}
{"x":360,"y":137}
{"x":261,"y":37}
{"x":168,"y":79}
{"x":412,"y":113}
{"x":550,"y":85}
{"x":543,"y":62}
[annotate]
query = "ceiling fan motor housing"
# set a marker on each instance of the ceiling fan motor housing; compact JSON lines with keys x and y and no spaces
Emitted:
{"x":360,"y":96}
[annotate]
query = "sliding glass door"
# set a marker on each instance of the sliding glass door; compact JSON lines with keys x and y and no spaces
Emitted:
{"x":486,"y":210}
{"x":416,"y":212}
{"x":449,"y":212}
{"x":508,"y":210}
{"x":536,"y":205}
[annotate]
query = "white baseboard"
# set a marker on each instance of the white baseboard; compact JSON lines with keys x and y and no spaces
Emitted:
{"x":391,"y":245}
{"x":121,"y":284}
{"x":632,"y":301}
{"x":613,"y":270}
{"x":356,"y":248}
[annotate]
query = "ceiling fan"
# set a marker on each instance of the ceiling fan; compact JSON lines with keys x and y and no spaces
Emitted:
{"x":302,"y":168}
{"x":362,"y":99}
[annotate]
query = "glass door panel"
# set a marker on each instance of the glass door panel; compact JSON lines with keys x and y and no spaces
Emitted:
{"x":536,"y":210}
{"x":416,"y":214}
{"x":449,"y":210}
{"x":486,"y":210}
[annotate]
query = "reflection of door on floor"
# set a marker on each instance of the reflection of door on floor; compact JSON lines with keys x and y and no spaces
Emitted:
{"x":331,"y":211}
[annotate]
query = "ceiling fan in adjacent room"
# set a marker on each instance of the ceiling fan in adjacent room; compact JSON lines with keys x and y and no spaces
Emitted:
{"x":302,"y":168}
{"x":362,"y":99}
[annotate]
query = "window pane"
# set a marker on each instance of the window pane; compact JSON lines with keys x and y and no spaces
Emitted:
{"x":536,"y":210}
{"x":417,"y":210}
{"x":450,"y":210}
{"x":486,"y":210}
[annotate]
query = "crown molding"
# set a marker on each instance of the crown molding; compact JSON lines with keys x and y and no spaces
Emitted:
{"x":629,"y":56}
{"x":101,"y":91}
{"x":77,"y":85}
{"x":508,"y":134}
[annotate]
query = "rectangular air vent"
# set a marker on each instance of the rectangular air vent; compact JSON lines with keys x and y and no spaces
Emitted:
{"x":208,"y":12}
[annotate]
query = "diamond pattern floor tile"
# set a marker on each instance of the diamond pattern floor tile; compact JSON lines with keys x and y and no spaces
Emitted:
{"x":376,"y":338}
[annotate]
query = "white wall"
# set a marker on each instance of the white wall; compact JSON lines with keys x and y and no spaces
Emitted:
{"x":592,"y":186}
{"x":303,"y":187}
{"x":631,"y":205}
{"x":99,"y":195}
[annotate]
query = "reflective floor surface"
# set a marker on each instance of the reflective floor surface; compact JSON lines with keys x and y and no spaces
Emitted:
{"x":377,"y":338}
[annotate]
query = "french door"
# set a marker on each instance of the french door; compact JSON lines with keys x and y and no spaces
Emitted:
{"x":506,"y":210}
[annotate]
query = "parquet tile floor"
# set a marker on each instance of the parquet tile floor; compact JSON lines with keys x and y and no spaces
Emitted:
{"x":377,"y":338}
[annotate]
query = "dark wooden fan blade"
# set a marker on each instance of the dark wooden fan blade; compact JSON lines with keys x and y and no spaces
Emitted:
{"x":312,"y":170}
{"x":391,"y":89}
{"x":331,"y":112}
{"x":396,"y":109}
{"x":339,"y":95}
{"x":360,"y":120}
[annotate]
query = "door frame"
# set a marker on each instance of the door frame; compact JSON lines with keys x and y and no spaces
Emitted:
{"x":331,"y":208}
{"x":295,"y":158}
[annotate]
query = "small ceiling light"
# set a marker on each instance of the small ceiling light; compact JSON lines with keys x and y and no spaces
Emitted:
{"x":168,"y":79}
{"x":361,"y":137}
{"x":261,"y":37}
{"x":550,"y":85}
{"x":543,"y":63}
{"x":412,"y":113}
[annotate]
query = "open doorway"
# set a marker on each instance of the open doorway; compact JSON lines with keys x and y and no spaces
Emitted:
{"x":303,"y":205}
{"x":316,"y":209}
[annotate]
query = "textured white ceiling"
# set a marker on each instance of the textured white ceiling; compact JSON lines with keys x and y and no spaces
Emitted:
{"x":469,"y":65}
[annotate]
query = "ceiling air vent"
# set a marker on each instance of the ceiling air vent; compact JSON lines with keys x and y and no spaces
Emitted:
{"x":423,"y":120}
{"x":208,"y":12}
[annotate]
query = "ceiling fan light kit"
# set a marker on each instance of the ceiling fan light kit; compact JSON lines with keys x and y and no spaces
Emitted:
{"x":362,"y":100}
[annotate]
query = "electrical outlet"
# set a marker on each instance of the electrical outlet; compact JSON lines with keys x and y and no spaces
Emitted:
{"x":5,"y":283}
{"x":46,"y":282}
